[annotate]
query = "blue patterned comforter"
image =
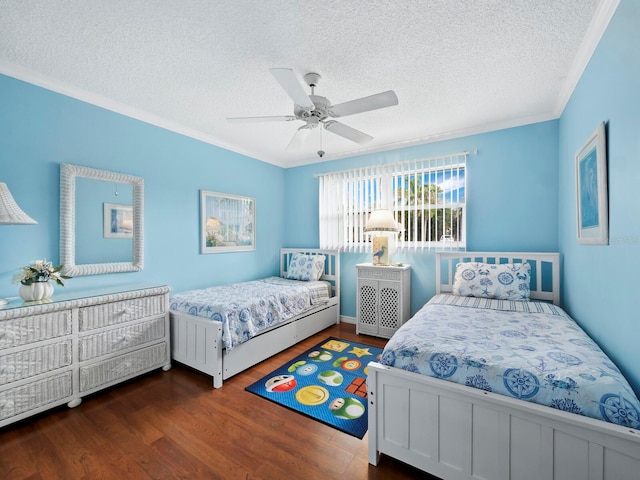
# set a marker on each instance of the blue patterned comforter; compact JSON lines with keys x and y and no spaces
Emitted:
{"x":528,"y":350}
{"x":247,"y":308}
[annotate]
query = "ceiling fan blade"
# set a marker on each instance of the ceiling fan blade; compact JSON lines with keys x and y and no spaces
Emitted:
{"x":290,"y":83}
{"x":279,"y":118}
{"x":347,"y":132}
{"x":300,"y":138}
{"x":364,"y":104}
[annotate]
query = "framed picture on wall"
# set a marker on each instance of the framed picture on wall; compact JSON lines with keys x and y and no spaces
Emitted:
{"x":591,"y":189}
{"x":118,"y":221}
{"x":380,"y":247}
{"x":227,"y":222}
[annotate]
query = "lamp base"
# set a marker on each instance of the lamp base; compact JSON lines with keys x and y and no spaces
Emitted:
{"x":380,"y":247}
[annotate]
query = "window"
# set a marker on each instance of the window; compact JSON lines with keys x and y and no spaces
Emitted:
{"x":428,"y":198}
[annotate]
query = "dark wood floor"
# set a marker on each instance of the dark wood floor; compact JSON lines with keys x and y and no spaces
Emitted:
{"x":174,"y":425}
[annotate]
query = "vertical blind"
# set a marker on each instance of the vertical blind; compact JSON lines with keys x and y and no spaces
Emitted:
{"x":426,"y":196}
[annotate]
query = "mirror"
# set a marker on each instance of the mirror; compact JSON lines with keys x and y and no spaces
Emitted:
{"x":101,"y":221}
{"x":105,"y":218}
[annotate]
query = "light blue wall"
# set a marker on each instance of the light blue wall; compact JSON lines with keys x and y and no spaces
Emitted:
{"x":512,"y":197}
{"x":40,"y":129}
{"x":599,"y":281}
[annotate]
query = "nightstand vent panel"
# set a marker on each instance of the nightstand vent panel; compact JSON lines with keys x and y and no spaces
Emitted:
{"x":389,"y":311}
{"x":368,"y":303}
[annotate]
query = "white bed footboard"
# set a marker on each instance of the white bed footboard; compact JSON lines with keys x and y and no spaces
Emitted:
{"x":197,"y":342}
{"x":458,"y":432}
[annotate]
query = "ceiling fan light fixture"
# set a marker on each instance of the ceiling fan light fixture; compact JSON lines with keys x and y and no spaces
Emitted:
{"x":312,"y":79}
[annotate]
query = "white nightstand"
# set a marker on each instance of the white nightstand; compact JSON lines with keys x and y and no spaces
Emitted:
{"x":383,"y":303}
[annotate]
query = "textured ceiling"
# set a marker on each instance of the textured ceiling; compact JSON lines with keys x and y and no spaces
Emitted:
{"x":458,"y":67}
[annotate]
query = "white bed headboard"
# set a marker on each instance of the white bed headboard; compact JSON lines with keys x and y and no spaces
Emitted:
{"x":331,"y":265}
{"x":545,"y":270}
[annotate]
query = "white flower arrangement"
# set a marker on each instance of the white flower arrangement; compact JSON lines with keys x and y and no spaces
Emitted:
{"x":40,"y":271}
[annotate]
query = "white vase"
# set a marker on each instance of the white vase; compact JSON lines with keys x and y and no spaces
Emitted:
{"x":36,"y":291}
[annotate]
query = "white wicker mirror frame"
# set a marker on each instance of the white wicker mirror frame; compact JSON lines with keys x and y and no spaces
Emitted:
{"x":68,"y":175}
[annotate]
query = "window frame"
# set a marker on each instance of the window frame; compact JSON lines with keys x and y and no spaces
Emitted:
{"x":348,"y":197}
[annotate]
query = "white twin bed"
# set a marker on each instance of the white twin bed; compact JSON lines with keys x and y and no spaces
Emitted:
{"x":224,"y":330}
{"x":490,"y":426}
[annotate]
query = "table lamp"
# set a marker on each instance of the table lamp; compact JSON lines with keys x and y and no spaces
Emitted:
{"x":11,"y":214}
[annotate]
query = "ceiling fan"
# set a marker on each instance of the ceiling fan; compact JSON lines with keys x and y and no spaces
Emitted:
{"x":315,"y":110}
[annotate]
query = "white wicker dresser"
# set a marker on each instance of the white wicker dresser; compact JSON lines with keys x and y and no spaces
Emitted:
{"x":78,"y":343}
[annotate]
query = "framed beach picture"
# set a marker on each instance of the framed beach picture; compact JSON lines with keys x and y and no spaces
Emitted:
{"x":227,"y":222}
{"x":118,"y":220}
{"x":591,"y":189}
{"x":380,"y":247}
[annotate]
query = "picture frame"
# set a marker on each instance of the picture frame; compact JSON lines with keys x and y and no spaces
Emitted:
{"x":591,"y":188}
{"x":380,"y":249}
{"x":118,"y":220}
{"x":227,"y":222}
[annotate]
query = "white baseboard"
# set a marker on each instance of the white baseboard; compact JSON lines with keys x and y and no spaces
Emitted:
{"x":345,"y":319}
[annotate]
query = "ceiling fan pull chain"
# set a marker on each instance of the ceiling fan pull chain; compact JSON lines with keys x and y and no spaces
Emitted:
{"x":320,"y":152}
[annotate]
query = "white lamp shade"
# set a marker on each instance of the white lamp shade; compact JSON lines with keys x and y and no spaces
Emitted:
{"x":381,"y":221}
{"x":10,"y":212}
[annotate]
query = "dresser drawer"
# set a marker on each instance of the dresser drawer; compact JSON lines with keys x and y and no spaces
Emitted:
{"x":20,"y":399}
{"x":34,"y":361}
{"x":121,"y":338}
{"x":34,"y":328}
{"x":129,"y":364}
{"x":113,"y":313}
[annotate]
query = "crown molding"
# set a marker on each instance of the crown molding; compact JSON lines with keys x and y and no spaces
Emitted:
{"x":594,"y":34}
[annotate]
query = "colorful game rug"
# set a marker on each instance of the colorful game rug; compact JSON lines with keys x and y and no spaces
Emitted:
{"x":327,"y":383}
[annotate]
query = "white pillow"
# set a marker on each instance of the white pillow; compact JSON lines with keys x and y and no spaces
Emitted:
{"x":505,"y":281}
{"x":305,"y":267}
